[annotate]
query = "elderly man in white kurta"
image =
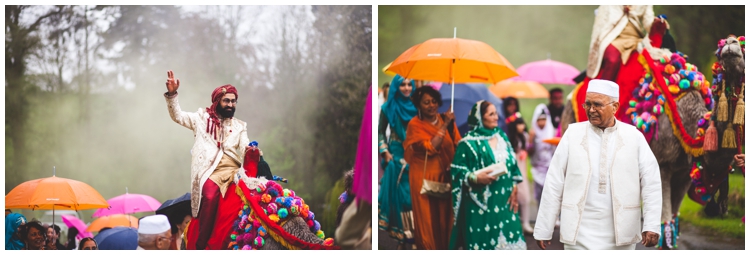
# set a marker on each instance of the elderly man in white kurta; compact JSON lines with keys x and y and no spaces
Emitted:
{"x":600,"y":174}
{"x":220,"y":145}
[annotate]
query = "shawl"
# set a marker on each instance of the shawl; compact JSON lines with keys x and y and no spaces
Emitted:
{"x":362,"y":185}
{"x":213,"y":126}
{"x":399,"y":108}
{"x":474,"y":153}
{"x":421,"y":132}
{"x":12,"y":221}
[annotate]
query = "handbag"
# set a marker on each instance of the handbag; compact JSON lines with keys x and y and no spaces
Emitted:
{"x":433,"y":188}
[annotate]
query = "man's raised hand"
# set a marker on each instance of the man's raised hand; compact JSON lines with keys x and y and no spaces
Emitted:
{"x":172,"y":83}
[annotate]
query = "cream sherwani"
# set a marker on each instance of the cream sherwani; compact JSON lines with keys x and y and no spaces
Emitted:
{"x":596,"y":182}
{"x":609,"y":24}
{"x":206,"y":155}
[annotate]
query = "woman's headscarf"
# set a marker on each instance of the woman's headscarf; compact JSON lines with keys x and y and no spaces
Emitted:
{"x":548,"y":131}
{"x":398,"y":108}
{"x":475,"y":121}
{"x":12,"y":222}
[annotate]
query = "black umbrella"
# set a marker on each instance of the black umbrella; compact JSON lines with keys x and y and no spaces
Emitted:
{"x":177,"y":207}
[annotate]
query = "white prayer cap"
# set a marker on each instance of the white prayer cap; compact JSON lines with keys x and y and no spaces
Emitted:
{"x":154,"y":224}
{"x":604,"y":87}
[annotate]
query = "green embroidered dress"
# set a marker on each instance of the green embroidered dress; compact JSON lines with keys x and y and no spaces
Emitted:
{"x":483,"y":219}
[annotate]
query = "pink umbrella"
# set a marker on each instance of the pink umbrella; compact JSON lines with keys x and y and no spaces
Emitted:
{"x":127,"y":204}
{"x":74,"y":222}
{"x":435,"y":85}
{"x":547,"y":72}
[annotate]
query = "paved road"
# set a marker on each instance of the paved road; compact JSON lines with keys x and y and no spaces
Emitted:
{"x":691,"y":238}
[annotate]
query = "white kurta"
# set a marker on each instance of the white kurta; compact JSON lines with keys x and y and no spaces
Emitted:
{"x":595,"y":212}
{"x":597,"y":230}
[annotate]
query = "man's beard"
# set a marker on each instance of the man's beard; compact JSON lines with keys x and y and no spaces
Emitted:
{"x":225,"y":112}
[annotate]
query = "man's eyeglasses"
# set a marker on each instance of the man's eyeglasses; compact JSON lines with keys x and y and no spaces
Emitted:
{"x":227,"y":101}
{"x":597,"y":106}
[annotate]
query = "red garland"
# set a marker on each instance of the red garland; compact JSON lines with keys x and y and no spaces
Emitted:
{"x":657,"y":73}
{"x":272,"y":226}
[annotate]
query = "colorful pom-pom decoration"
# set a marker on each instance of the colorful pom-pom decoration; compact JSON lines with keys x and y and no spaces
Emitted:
{"x":286,"y":192}
{"x":283,"y":213}
{"x":279,"y":200}
{"x":638,"y":122}
{"x":669,"y":69}
{"x":262,"y":231}
{"x":702,"y":122}
{"x":265,"y":198}
{"x":328,"y":242}
{"x":317,"y":225}
{"x":684,"y":84}
{"x":294,"y":210}
{"x":697,"y":84}
{"x":259,"y":242}
{"x":648,"y":96}
{"x":674,"y":89}
{"x":272,"y":208}
{"x":320,"y":234}
{"x":632,"y":103}
{"x":246,"y":247}
{"x":707,"y":116}
{"x":701,"y":131}
{"x":310,"y":223}
{"x":658,"y":109}
{"x":274,"y":217}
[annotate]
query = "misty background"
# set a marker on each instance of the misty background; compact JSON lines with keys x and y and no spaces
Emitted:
{"x":84,"y":92}
{"x":524,"y":34}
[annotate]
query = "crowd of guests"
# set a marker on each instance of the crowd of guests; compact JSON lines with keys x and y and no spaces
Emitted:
{"x":444,"y":190}
{"x":154,"y":232}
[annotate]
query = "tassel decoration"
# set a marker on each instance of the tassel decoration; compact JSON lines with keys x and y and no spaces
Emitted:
{"x":722,"y":111}
{"x":739,"y":110}
{"x":729,"y":141}
{"x":710,"y":140}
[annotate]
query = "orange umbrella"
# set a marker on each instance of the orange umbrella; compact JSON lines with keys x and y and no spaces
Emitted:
{"x":111,"y":221}
{"x":453,"y":60}
{"x":519,"y":89}
{"x":388,"y":72}
{"x":54,"y":193}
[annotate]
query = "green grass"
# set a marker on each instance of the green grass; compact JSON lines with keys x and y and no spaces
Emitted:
{"x":729,"y":225}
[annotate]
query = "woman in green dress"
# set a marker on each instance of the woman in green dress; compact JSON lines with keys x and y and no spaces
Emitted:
{"x":485,"y":205}
{"x":394,"y":198}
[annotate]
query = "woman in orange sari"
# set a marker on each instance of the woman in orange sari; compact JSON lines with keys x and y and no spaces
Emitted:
{"x":433,"y":137}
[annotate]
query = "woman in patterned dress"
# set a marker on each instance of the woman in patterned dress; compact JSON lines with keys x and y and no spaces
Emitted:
{"x":485,"y":206}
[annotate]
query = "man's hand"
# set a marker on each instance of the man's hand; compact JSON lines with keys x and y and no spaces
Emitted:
{"x":739,"y":160}
{"x":649,"y":238}
{"x":543,"y":244}
{"x":172,"y":83}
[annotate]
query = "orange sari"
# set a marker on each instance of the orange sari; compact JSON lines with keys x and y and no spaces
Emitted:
{"x":433,"y":217}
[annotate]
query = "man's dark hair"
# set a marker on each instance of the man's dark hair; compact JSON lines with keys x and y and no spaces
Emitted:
{"x":555,"y":90}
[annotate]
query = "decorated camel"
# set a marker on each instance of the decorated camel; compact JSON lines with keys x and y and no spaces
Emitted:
{"x":694,"y":126}
{"x":258,"y":214}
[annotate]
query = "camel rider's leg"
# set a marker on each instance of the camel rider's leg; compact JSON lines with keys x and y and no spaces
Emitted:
{"x":611,"y":62}
{"x":207,"y":213}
